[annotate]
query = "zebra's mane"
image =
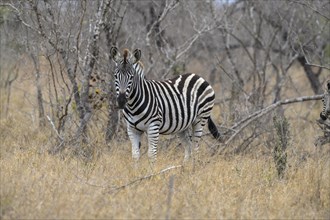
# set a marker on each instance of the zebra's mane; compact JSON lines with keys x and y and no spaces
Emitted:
{"x":140,"y":64}
{"x":125,"y":55}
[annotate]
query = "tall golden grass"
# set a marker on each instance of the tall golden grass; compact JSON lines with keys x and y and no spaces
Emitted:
{"x":37,"y":185}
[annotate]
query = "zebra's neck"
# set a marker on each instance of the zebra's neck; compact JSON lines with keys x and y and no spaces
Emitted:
{"x":139,"y":70}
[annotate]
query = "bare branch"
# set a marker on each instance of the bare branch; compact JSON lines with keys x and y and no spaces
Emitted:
{"x":169,"y":7}
{"x":54,"y":128}
{"x":19,"y":15}
{"x":316,"y":65}
{"x":238,"y":84}
{"x":186,"y":46}
{"x":246,"y":121}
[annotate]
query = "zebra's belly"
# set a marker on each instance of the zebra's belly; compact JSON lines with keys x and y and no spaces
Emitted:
{"x":167,"y":132}
{"x":139,"y":122}
{"x":164,"y":129}
{"x":175,"y":127}
{"x":134,"y":122}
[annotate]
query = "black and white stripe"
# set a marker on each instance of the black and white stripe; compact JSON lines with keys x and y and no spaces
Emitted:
{"x":161,"y":107}
{"x":325,"y":114}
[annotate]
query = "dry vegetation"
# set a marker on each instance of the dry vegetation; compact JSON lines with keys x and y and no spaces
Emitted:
{"x":35,"y":184}
{"x":254,"y":53}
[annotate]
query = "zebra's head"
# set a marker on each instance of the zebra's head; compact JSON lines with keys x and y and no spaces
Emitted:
{"x":124,"y":73}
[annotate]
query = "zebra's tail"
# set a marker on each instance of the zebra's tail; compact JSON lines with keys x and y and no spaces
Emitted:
{"x":213,"y":129}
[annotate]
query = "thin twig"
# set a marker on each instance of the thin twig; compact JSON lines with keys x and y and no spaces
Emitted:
{"x":312,"y":8}
{"x":114,"y":189}
{"x":168,"y":7}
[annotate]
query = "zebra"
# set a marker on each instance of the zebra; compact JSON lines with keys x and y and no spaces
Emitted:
{"x":161,"y":107}
{"x":324,"y":121}
{"x":325,"y":114}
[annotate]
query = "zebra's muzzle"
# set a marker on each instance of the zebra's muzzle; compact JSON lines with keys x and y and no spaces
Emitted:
{"x":121,"y":100}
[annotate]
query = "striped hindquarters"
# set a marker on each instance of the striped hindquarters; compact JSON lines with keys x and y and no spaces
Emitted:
{"x":183,"y":101}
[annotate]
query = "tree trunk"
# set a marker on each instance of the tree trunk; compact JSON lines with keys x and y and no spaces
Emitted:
{"x":41,"y":111}
{"x":111,"y":34}
{"x":89,"y":63}
{"x":8,"y":84}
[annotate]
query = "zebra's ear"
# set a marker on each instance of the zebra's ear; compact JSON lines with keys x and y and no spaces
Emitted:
{"x":136,"y":55}
{"x":114,"y":54}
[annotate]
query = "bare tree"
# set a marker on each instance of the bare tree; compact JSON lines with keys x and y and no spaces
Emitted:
{"x":246,"y":48}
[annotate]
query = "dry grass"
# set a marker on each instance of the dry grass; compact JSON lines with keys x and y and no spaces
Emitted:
{"x":35,"y":184}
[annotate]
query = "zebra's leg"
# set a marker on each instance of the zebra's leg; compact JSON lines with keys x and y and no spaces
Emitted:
{"x":135,"y":137}
{"x":153,"y":136}
{"x":185,"y":135}
{"x":197,"y":133}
